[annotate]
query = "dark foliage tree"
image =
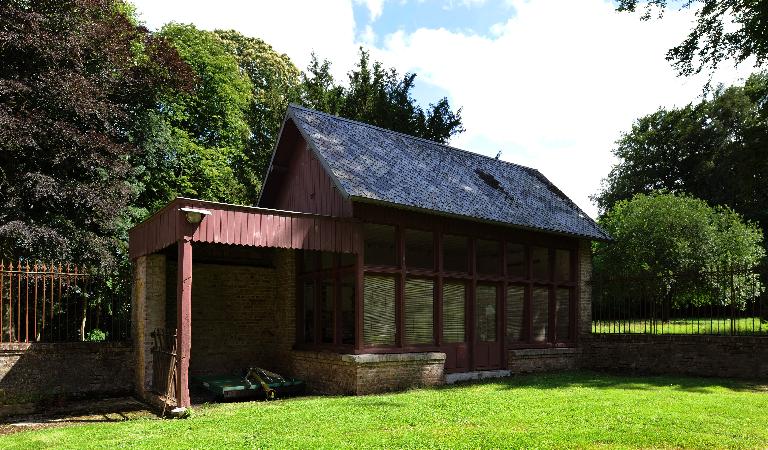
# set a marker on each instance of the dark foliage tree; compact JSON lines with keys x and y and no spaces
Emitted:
{"x":76,"y":77}
{"x":724,"y":29}
{"x":378,"y":96}
{"x":716,"y":150}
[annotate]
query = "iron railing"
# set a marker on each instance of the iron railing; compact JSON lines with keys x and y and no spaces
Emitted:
{"x":723,"y":302}
{"x":47,"y":302}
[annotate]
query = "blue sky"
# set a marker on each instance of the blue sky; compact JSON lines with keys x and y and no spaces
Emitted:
{"x":551,"y":83}
{"x":409,"y":16}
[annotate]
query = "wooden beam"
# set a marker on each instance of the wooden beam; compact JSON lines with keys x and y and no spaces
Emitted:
{"x":183,"y":320}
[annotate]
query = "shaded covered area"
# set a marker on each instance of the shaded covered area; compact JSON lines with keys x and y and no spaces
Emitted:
{"x":223,"y":279}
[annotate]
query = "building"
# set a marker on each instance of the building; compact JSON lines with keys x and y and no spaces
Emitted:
{"x":374,"y":261}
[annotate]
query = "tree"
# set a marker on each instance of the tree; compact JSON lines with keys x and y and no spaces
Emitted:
{"x":275,"y":83}
{"x":76,"y":77}
{"x":673,"y":243}
{"x":714,"y":150}
{"x":724,"y":29}
{"x":378,"y":96}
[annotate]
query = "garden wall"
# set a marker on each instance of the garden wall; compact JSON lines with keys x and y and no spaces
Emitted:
{"x":34,"y":374}
{"x":709,"y":356}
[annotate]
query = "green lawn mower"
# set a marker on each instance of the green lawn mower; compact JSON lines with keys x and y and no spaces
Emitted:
{"x":254,"y":383}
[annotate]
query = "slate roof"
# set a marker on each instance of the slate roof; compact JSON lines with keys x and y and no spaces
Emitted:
{"x":375,"y":164}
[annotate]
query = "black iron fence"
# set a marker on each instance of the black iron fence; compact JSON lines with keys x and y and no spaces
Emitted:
{"x":721,"y":302}
{"x":47,"y":302}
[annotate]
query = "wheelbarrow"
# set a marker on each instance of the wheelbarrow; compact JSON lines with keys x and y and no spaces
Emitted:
{"x":254,"y":383}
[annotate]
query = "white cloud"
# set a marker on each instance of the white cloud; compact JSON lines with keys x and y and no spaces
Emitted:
{"x":552,"y":87}
{"x":294,"y":27}
{"x":556,"y":84}
{"x":375,"y":8}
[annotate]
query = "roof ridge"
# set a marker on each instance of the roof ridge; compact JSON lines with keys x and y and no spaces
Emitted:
{"x":376,"y":127}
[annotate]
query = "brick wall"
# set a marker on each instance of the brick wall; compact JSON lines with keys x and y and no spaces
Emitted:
{"x":331,"y":373}
{"x":718,"y":356}
{"x":148,"y":313}
{"x":543,"y":359}
{"x":35,"y":373}
{"x":232,"y":318}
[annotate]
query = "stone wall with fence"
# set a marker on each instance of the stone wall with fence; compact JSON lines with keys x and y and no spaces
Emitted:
{"x":33,"y":375}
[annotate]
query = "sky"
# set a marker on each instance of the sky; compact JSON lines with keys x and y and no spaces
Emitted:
{"x":552,"y":84}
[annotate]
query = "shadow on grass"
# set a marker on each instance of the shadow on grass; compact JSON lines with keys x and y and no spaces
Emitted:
{"x":604,"y":380}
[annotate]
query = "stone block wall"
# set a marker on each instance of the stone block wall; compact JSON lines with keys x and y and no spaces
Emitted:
{"x":331,"y":373}
{"x":543,"y":360}
{"x":36,"y":373}
{"x":711,"y":356}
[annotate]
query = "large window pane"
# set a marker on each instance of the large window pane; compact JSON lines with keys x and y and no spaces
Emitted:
{"x":419,"y":323}
{"x":563,"y":297}
{"x":540,"y":262}
{"x":326,"y":260}
{"x":419,"y":249}
{"x":485,"y":313}
{"x":309,"y":311}
{"x":563,"y":265}
{"x":348,"y":310}
{"x":454,"y":295}
{"x":488,"y":255}
{"x":326,"y":311}
{"x":540,"y":311}
{"x":517,"y":263}
{"x":379,"y":310}
{"x":380,"y":248}
{"x":515,"y":317}
{"x":455,"y":253}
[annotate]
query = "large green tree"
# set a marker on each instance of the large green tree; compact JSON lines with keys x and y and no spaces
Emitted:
{"x":195,"y":139}
{"x":379,"y":96}
{"x":677,"y":248}
{"x":75,"y":80}
{"x":214,"y":142}
{"x":716,"y":150}
{"x":724,"y":29}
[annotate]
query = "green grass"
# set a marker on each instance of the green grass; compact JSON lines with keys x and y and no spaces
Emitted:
{"x":703,"y":325}
{"x":566,"y":410}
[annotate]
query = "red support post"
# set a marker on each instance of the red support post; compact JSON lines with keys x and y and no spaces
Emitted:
{"x":184,"y":320}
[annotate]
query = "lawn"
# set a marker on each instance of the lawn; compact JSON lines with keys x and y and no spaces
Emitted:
{"x":701,"y":325}
{"x":565,"y":410}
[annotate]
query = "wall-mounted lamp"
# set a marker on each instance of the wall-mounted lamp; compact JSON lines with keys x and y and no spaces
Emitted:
{"x":195,"y":216}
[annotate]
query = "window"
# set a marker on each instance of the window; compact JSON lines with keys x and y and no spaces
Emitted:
{"x":540,"y":262}
{"x":540,"y":311}
{"x":326,"y":311}
{"x":327,"y":297}
{"x":348,"y":309}
{"x":515,"y":316}
{"x":563,"y":296}
{"x":454,"y":295}
{"x":380,"y":248}
{"x":309,"y":311}
{"x":379,"y":310}
{"x":347,"y":260}
{"x":419,"y":249}
{"x":562,"y":265}
{"x":419,"y":323}
{"x":517,"y":264}
{"x":488,"y":255}
{"x":485,"y":312}
{"x":455,"y":253}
